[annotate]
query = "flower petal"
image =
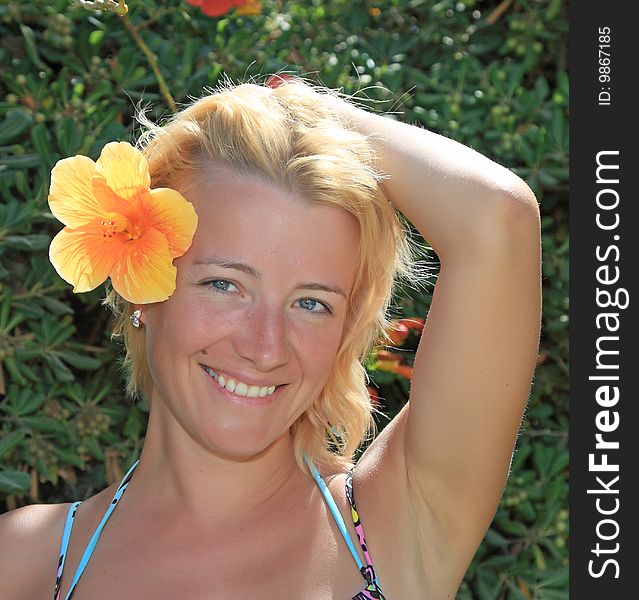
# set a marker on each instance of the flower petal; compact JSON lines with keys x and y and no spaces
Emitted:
{"x":71,"y":196}
{"x":145,"y":272}
{"x":216,"y":8}
{"x":125,"y":169}
{"x":111,"y":202}
{"x":249,"y":8}
{"x":172,"y":214}
{"x":84,"y":258}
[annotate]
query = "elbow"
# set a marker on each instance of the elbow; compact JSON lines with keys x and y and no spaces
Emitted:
{"x":517,"y":206}
{"x":515,"y":221}
{"x":517,"y":200}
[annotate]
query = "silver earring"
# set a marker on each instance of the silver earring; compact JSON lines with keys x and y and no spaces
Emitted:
{"x":135,"y":318}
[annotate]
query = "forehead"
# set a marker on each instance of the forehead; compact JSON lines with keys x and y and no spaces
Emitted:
{"x":246,"y":219}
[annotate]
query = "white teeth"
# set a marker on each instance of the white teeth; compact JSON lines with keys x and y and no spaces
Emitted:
{"x":240,"y":388}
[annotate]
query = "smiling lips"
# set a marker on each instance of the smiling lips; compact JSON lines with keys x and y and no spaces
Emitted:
{"x":239,"y":387}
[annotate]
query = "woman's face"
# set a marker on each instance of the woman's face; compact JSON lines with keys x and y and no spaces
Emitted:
{"x":274,"y":318}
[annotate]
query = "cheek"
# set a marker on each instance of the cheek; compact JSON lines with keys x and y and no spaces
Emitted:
{"x":190,"y":324}
{"x":173,"y":330}
{"x":319,"y":348}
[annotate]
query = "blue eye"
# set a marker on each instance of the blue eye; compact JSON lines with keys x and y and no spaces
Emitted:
{"x":217,"y":289}
{"x":317,"y":303}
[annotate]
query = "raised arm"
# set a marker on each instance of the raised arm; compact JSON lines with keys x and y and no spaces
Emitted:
{"x":475,"y":363}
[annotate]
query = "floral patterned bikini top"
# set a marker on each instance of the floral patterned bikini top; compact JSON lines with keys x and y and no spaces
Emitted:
{"x":372,"y":591}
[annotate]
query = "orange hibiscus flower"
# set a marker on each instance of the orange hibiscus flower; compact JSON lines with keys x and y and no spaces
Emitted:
{"x":217,"y":8}
{"x":116,"y":226}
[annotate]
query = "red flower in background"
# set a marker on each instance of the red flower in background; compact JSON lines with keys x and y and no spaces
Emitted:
{"x":277,"y":80}
{"x":217,"y":8}
{"x":375,"y":401}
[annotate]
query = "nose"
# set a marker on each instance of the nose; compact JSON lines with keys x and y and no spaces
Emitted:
{"x":263,"y":339}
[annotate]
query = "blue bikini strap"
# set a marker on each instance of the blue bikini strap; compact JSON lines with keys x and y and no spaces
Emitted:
{"x":89,"y":549}
{"x":336,"y":514}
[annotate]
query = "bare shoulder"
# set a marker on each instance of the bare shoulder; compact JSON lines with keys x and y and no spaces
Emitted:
{"x":30,"y":539}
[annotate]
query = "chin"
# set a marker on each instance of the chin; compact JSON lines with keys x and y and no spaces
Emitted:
{"x":239,"y":446}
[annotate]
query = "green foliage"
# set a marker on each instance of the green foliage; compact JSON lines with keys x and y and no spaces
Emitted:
{"x":493,"y":80}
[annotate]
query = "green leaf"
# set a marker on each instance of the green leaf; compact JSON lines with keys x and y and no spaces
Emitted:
{"x":542,"y":457}
{"x":20,"y":162}
{"x":56,"y":307}
{"x":553,"y":9}
{"x":43,"y":424}
{"x":94,"y":448}
{"x":554,"y":595}
{"x":519,"y":457}
{"x":32,"y":47}
{"x":514,"y":528}
{"x":547,"y":179}
{"x":69,"y":457}
{"x":84,"y":363}
{"x":542,"y":89}
{"x":42,"y":145}
{"x":495,"y":539}
{"x":13,"y":125}
{"x":28,"y":243}
{"x":69,"y":134}
{"x":526,"y":510}
{"x":14,"y":482}
{"x":499,"y":562}
{"x":540,"y":559}
{"x":12,"y":368}
{"x":5,"y":308}
{"x":554,"y":490}
{"x":488,"y":585}
{"x":133,"y":426}
{"x":557,"y":579}
{"x":559,"y":463}
{"x":110,"y":438}
{"x":61,"y":371}
{"x":9,"y":441}
{"x":515,"y":592}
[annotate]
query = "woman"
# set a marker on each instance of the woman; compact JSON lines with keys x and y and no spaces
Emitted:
{"x":249,"y":354}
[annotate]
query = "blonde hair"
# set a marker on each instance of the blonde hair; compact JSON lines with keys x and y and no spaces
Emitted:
{"x":289,"y":136}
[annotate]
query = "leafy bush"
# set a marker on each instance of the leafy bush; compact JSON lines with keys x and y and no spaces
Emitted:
{"x":490,"y":75}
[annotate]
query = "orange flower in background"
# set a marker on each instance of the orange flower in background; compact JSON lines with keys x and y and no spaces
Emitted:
{"x":249,"y":8}
{"x":398,"y":330}
{"x":116,"y":226}
{"x":217,"y":8}
{"x":414,"y":323}
{"x":403,"y":370}
{"x":385,"y":355}
{"x":393,"y":366}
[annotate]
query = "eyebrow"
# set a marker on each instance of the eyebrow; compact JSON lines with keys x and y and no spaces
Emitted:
{"x":253,"y":272}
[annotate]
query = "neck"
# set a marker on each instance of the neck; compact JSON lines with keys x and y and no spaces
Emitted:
{"x":177,"y":478}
